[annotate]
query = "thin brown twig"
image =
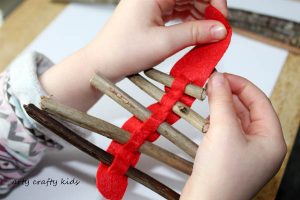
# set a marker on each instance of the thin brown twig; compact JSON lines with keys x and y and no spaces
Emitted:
{"x":167,"y":80}
{"x":179,"y":108}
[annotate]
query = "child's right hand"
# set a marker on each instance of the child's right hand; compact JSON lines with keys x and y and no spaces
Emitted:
{"x":244,"y":146}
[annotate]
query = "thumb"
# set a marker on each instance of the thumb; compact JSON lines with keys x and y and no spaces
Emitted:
{"x":192,"y":33}
{"x":221,"y":102}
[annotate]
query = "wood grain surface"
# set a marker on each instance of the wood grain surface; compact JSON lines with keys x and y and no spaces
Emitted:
{"x":25,"y":23}
{"x":32,"y":16}
{"x":286,"y":101}
{"x":266,"y":40}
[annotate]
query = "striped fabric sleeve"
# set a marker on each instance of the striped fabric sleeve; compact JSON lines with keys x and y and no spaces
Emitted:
{"x":23,"y":142}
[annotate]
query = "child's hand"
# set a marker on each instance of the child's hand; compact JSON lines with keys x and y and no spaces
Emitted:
{"x":136,"y":38}
{"x":244,"y":146}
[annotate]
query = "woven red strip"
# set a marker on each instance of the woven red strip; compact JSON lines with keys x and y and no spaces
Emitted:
{"x":194,"y":67}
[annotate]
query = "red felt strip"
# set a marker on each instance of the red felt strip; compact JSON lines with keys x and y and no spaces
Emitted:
{"x":195,"y":67}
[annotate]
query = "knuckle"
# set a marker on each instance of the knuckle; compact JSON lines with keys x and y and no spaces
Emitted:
{"x":195,"y":33}
{"x":279,"y":152}
{"x":222,"y":100}
{"x":284,"y":149}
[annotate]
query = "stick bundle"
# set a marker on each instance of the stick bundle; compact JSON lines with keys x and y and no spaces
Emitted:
{"x":110,"y":131}
{"x":143,"y":114}
{"x":43,"y":118}
{"x":65,"y":113}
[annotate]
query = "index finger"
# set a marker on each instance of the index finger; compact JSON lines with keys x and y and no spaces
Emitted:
{"x":261,"y":109}
{"x":221,"y":5}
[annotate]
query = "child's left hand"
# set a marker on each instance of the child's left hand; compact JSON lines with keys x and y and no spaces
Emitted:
{"x":136,"y":38}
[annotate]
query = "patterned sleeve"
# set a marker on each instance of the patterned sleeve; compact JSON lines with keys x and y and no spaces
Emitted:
{"x":22,"y":140}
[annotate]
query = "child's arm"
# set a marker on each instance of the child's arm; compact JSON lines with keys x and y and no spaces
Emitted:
{"x":244,"y":147}
{"x":134,"y":39}
{"x":22,"y":141}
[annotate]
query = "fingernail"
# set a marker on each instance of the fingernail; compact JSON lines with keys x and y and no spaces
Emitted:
{"x":205,"y":128}
{"x":218,"y":32}
{"x":206,"y":125}
{"x":217,"y":79}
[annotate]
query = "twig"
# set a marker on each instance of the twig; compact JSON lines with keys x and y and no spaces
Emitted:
{"x":143,"y":114}
{"x":179,"y":108}
{"x":167,"y":80}
{"x":43,"y":118}
{"x":110,"y":131}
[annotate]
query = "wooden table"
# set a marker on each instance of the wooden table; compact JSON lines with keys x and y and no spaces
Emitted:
{"x":32,"y":16}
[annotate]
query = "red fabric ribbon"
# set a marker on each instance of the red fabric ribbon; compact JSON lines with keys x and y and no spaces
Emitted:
{"x":195,"y":67}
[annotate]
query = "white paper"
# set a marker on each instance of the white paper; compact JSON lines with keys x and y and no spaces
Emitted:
{"x":74,"y":27}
